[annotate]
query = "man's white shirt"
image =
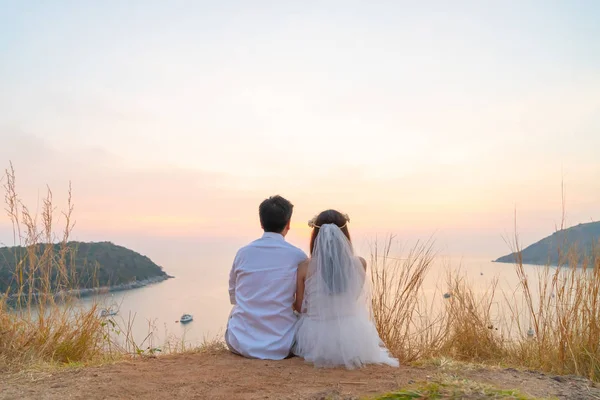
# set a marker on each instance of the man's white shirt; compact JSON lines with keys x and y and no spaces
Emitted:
{"x":262,"y":288}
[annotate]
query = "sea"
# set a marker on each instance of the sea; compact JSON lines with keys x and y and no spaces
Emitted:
{"x":200,"y":287}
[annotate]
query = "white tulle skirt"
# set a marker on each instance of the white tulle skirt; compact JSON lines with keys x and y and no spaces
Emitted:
{"x":351,"y":341}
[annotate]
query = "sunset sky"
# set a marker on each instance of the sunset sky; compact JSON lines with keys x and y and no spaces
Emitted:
{"x":175,"y":119}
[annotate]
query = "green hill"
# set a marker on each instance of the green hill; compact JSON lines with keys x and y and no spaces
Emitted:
{"x":582,"y":239}
{"x":86,"y":266}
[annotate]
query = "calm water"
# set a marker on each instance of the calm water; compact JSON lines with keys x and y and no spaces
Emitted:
{"x":200,"y":288}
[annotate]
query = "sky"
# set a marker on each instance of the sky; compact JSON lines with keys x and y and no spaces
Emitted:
{"x":173,"y":120}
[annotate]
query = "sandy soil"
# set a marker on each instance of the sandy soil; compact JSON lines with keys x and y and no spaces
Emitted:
{"x":221,"y":375}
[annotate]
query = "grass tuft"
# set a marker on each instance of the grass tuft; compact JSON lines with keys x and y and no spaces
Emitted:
{"x":456,"y":389}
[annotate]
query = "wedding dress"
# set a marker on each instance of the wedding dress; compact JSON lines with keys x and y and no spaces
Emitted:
{"x":335,"y":327}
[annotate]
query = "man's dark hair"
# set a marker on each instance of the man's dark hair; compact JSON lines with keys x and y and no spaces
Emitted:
{"x":275,"y":213}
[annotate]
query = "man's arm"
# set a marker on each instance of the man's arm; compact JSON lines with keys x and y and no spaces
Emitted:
{"x":232,"y":282}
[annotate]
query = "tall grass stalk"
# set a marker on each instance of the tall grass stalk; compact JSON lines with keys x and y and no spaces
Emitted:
{"x":553,"y":326}
{"x":472,"y":331}
{"x":401,"y":313}
{"x":32,"y":327}
{"x":565,"y":315}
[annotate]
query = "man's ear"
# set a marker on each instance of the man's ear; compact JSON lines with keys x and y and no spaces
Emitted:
{"x":288,"y":225}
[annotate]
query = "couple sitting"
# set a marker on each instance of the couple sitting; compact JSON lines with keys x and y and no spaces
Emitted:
{"x":285,"y":303}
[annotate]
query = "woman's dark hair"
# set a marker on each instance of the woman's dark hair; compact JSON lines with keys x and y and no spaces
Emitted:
{"x":329,"y":217}
{"x":275,"y":213}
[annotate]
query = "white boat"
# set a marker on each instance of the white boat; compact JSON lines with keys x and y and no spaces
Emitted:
{"x":108,"y":312}
{"x":186,"y":318}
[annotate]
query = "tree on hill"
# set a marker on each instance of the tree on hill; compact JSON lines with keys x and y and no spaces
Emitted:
{"x":558,"y":249}
{"x":72,"y":265}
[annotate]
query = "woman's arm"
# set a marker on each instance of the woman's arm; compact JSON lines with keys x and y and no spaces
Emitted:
{"x":302,"y":268}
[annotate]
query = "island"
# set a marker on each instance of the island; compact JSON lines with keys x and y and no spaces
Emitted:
{"x":560,"y":247}
{"x":75,"y":268}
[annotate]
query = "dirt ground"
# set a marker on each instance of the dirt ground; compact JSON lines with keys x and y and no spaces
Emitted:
{"x":221,"y":375}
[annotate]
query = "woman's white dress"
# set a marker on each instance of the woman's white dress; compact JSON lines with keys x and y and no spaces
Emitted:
{"x":335,"y":327}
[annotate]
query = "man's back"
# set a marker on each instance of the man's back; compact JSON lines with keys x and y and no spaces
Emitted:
{"x":262,"y":287}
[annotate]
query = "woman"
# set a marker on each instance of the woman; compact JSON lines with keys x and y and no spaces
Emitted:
{"x":335,"y":326}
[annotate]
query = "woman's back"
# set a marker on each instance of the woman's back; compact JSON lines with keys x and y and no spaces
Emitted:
{"x":335,"y":327}
{"x":341,"y":296}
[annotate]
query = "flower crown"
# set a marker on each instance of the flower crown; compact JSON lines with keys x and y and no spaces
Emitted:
{"x":311,"y":223}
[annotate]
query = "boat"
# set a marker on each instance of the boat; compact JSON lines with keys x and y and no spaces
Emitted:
{"x":186,"y":318}
{"x":108,"y":312}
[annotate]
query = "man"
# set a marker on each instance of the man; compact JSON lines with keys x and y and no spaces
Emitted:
{"x":262,"y":288}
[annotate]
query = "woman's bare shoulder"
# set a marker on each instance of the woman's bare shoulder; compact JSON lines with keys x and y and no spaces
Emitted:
{"x":303,"y":266}
{"x":363,"y":262}
{"x":304,"y":263}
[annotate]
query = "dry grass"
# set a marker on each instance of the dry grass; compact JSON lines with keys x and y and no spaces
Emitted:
{"x":32,"y":328}
{"x":402,"y":317}
{"x":39,"y":328}
{"x":563,"y":311}
{"x":553,"y":326}
{"x":471,"y":332}
{"x":452,"y":388}
{"x":565,"y":318}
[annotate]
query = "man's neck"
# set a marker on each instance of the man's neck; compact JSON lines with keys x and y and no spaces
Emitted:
{"x":274,"y":235}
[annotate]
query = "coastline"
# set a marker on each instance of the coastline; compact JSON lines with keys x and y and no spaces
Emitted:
{"x":535,"y":264}
{"x":87,"y":292}
{"x":117,"y":288}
